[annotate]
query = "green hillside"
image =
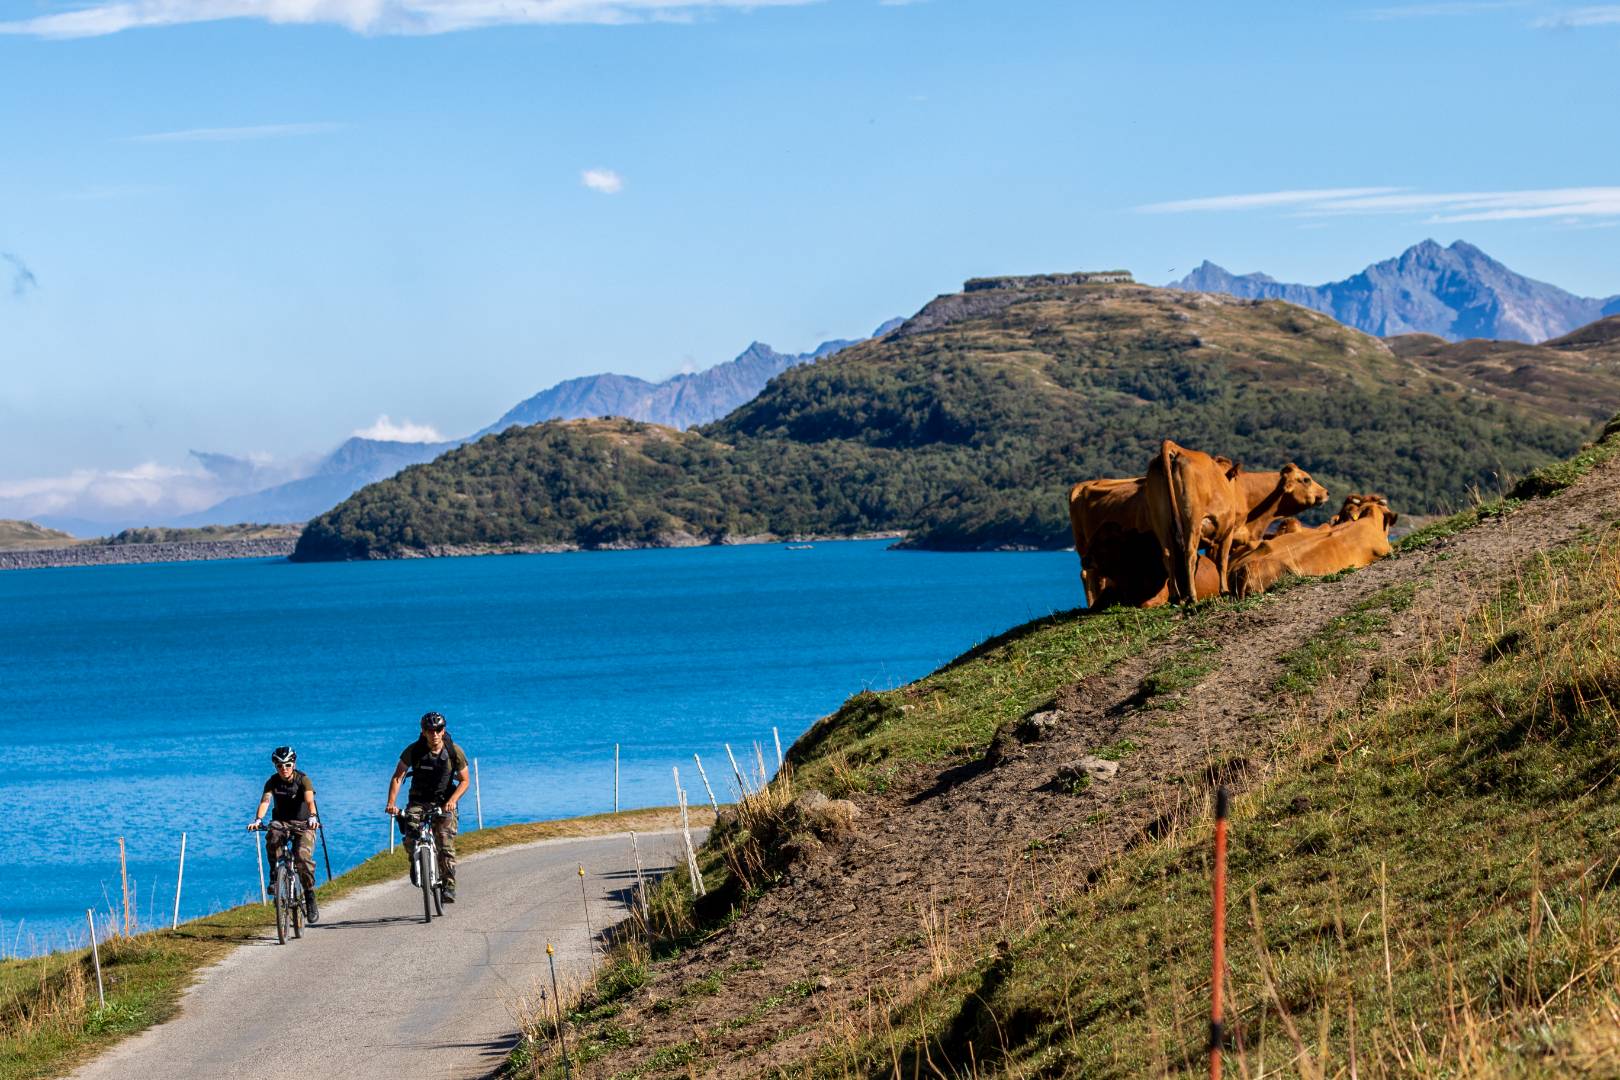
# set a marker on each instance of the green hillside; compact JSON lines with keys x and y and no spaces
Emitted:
{"x":966,"y":427}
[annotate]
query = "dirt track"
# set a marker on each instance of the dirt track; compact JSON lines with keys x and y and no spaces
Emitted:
{"x":985,"y":846}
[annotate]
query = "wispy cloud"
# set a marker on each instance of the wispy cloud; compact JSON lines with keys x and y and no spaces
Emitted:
{"x":94,"y":493}
{"x":371,"y":16}
{"x":236,"y":134}
{"x":1262,"y":200}
{"x":386,"y":430}
{"x":1605,"y":15}
{"x":1441,"y":207}
{"x":606,"y":181}
{"x":22,"y":278}
{"x":1441,"y":10}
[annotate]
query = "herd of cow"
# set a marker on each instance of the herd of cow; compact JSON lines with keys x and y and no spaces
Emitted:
{"x":1197,"y":526}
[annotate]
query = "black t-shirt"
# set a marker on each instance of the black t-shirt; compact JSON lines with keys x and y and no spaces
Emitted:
{"x":433,"y":776}
{"x":289,"y":796}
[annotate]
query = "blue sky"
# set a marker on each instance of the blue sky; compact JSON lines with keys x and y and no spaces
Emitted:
{"x":256,"y":235}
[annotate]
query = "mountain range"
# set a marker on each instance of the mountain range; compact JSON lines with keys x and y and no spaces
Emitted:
{"x":682,"y":401}
{"x":1455,"y":292}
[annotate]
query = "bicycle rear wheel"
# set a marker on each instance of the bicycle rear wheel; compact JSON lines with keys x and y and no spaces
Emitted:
{"x":424,"y":874}
{"x":283,"y":908}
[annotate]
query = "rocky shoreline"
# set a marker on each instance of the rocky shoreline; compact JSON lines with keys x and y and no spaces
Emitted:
{"x":110,"y":554}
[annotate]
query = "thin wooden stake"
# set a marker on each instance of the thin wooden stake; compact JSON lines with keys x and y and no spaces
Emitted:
{"x":1217,"y":1027}
{"x":686,"y":831}
{"x":777,"y":735}
{"x":556,"y":998}
{"x":742,"y":786}
{"x":615,"y":778}
{"x":179,"y":879}
{"x":390,"y":834}
{"x":706,"y":786}
{"x":258,"y":854}
{"x":123,"y":874}
{"x":759,"y":756}
{"x":585,"y":904}
{"x":478,"y":798}
{"x":641,"y":880}
{"x":95,"y":952}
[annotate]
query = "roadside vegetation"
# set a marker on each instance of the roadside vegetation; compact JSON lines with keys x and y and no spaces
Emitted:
{"x":968,"y":436}
{"x":50,"y":1019}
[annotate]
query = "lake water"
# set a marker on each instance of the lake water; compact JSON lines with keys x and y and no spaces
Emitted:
{"x":143,"y":701}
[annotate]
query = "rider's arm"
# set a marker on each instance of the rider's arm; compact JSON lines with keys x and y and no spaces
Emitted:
{"x":264,"y":804}
{"x":462,"y":784}
{"x":393,"y":787}
{"x":309,"y":800}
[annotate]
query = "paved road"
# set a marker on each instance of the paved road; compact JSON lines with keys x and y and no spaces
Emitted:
{"x":372,"y":992}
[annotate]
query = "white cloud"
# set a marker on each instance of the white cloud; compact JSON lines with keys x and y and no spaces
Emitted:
{"x":386,"y":430}
{"x":96,"y":493}
{"x":1440,"y":207}
{"x":236,"y":134}
{"x":1607,"y":15}
{"x":370,"y":16}
{"x":606,"y":181}
{"x":1261,"y":200}
{"x":1429,"y":11}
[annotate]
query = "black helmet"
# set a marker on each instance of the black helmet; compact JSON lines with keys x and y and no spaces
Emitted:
{"x":283,"y":755}
{"x":432,"y":721}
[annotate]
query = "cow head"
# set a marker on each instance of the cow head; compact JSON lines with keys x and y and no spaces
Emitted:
{"x":1232,"y":469}
{"x":1359,"y":506}
{"x":1284,"y":526}
{"x":1299,"y":490}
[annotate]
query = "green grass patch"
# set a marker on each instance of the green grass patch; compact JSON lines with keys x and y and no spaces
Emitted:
{"x":955,"y":711}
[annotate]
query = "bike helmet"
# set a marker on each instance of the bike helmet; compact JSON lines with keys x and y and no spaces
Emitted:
{"x":432,"y":721}
{"x":283,"y":755}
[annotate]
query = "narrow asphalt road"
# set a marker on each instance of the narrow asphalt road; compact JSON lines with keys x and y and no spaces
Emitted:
{"x":371,"y":991}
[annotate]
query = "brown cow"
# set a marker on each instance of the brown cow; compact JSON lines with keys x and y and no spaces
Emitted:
{"x":1316,"y":552}
{"x":1193,"y":498}
{"x":1272,"y":495}
{"x":1105,"y":516}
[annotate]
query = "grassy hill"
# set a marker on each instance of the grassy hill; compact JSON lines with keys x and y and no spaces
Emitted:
{"x":966,"y":426}
{"x":1424,"y":877}
{"x":26,"y":534}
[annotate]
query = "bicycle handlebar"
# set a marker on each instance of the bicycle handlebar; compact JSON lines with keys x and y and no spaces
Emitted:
{"x":281,"y":826}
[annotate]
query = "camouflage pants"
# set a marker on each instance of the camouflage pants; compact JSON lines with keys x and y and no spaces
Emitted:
{"x":303,"y":853}
{"x":444,"y":835}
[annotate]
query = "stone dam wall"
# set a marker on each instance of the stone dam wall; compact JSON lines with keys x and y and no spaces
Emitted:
{"x":107,"y":554}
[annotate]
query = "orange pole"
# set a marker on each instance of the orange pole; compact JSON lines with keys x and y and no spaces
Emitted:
{"x":1217,"y":1029}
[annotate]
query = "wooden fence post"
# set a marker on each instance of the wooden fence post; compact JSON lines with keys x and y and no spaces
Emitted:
{"x":706,"y":786}
{"x":95,"y":951}
{"x":777,"y":735}
{"x":742,"y":786}
{"x":1217,"y":1029}
{"x":478,"y":800}
{"x":615,"y":778}
{"x":641,"y":880}
{"x":123,"y":874}
{"x":179,"y":879}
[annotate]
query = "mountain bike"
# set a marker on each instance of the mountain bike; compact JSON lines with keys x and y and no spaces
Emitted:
{"x":286,"y":887}
{"x":426,"y":860}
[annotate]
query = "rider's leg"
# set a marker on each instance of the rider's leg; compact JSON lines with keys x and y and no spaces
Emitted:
{"x":444,"y":831}
{"x":414,"y":813}
{"x":273,"y":842}
{"x":304,"y":857}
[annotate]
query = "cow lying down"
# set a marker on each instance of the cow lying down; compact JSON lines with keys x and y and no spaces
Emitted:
{"x":1357,"y":536}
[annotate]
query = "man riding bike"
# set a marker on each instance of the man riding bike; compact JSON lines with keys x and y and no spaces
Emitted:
{"x":294,"y":795}
{"x":439,"y":778}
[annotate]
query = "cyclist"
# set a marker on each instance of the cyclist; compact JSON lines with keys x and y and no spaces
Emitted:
{"x":439,"y":777}
{"x":294,"y":796}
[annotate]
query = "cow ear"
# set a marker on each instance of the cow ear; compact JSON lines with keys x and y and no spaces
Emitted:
{"x":1234,"y":471}
{"x":1290,"y":469}
{"x":1390,"y":519}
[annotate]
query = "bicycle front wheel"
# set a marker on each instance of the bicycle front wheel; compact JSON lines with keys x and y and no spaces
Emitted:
{"x":424,"y":874}
{"x":298,"y":909}
{"x":283,"y":904}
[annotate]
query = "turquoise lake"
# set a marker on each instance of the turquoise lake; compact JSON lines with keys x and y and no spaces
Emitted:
{"x":143,"y":701}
